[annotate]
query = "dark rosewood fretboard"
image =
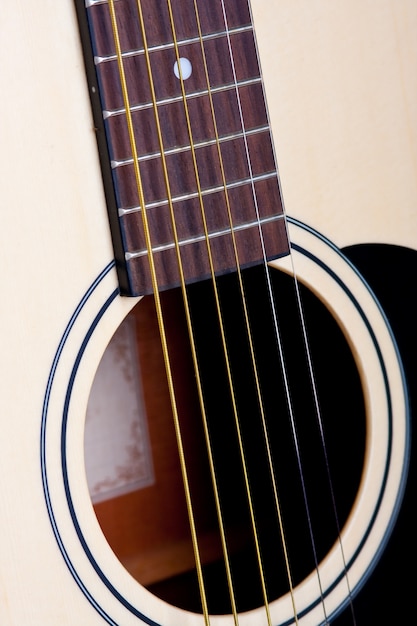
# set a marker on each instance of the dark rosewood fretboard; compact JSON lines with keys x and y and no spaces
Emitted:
{"x":249,"y":183}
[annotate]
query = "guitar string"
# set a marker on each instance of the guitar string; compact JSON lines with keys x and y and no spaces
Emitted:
{"x":162,"y":151}
{"x":188,"y":319}
{"x":279,"y":341}
{"x":220,"y":319}
{"x":320,"y":427}
{"x":314,"y":391}
{"x":322,"y":436}
{"x":271,"y":300}
{"x":246,"y":318}
{"x":159,"y":312}
{"x":232,"y":232}
{"x":127,"y":108}
{"x":319,"y":422}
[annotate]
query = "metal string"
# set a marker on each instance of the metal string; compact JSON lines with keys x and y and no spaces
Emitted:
{"x":287,"y":386}
{"x":278,"y":338}
{"x":295,"y":436}
{"x":160,"y":315}
{"x":322,"y":435}
{"x":320,"y":426}
{"x":189,"y":321}
{"x":219,"y":313}
{"x":246,"y":315}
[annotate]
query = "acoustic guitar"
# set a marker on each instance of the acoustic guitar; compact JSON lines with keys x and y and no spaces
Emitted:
{"x":240,"y":181}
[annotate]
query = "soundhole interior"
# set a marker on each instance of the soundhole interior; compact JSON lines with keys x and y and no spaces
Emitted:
{"x":149,"y":529}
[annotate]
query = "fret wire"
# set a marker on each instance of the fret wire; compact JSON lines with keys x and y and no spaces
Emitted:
{"x":199,"y":144}
{"x":193,"y":94}
{"x":204,"y":192}
{"x":169,"y":46}
{"x":159,"y":307}
{"x":199,"y":238}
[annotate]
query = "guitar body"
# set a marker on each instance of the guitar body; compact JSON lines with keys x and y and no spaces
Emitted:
{"x":340,"y":82}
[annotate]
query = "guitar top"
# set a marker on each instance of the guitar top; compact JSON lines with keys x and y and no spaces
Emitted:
{"x":308,"y":168}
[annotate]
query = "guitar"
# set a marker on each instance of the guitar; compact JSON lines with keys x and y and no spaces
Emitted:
{"x":332,"y":543}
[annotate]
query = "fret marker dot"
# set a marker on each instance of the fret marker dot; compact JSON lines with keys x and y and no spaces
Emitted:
{"x":186,"y":68}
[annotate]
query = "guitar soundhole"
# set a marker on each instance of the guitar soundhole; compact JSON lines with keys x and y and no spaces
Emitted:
{"x":148,"y":529}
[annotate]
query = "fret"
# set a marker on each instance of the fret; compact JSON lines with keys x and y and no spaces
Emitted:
{"x":189,"y":96}
{"x":173,"y":123}
{"x":189,"y":221}
{"x":197,"y":145}
{"x":157,"y":23}
{"x":167,"y":86}
{"x":182,"y":175}
{"x":201,"y":238}
{"x":233,"y":180}
{"x":204,"y":193}
{"x":170,"y":45}
{"x":195,"y":260}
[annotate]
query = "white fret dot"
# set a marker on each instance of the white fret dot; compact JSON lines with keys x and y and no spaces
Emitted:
{"x":186,"y":68}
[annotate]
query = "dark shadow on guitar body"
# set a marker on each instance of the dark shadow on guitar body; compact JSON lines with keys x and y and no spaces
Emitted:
{"x":387,"y":598}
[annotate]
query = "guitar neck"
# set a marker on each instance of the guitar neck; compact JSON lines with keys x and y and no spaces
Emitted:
{"x":192,"y":162}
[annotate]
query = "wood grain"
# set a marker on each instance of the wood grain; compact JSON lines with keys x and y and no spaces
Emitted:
{"x":238,"y":121}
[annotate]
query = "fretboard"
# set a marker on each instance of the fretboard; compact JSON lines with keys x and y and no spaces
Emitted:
{"x":207,"y":181}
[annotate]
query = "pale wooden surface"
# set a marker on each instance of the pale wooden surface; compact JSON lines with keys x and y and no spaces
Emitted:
{"x":341,"y":81}
{"x":342,"y":91}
